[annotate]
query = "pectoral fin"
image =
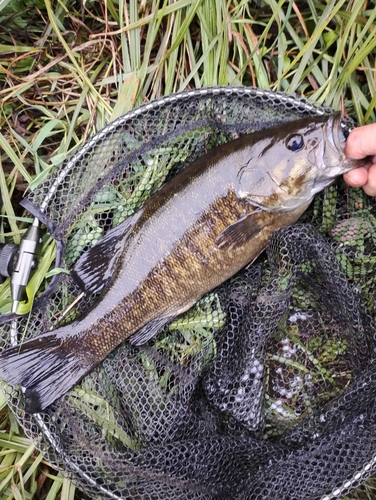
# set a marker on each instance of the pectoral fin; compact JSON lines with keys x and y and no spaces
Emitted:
{"x":95,"y":268}
{"x":239,"y":232}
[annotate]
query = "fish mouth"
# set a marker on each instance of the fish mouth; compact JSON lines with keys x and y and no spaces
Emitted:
{"x":334,"y":147}
{"x":338,"y":132}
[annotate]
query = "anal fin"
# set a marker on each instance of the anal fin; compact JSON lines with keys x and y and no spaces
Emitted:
{"x":149,"y":330}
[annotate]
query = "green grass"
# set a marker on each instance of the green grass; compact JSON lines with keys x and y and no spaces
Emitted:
{"x":67,"y":68}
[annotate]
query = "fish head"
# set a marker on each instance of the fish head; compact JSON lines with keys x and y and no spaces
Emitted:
{"x":294,"y":161}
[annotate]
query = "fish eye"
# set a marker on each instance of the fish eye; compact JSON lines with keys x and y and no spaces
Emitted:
{"x":295,"y":142}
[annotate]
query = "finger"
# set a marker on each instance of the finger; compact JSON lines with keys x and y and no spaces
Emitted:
{"x":357,"y":177}
{"x":361,"y":142}
{"x":370,"y":186}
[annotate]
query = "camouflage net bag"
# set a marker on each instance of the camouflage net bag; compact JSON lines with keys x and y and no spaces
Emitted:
{"x":266,"y":388}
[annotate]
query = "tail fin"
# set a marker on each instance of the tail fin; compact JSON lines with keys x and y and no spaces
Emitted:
{"x":43,"y":369}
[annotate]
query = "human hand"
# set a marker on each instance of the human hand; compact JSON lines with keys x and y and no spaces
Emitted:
{"x":361,"y":143}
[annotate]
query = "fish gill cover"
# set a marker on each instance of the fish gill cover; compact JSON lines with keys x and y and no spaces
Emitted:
{"x":266,"y":388}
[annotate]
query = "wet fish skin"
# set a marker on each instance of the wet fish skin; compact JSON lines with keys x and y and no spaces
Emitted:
{"x":193,"y":234}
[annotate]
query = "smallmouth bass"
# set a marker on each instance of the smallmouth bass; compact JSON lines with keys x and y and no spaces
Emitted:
{"x":193,"y":234}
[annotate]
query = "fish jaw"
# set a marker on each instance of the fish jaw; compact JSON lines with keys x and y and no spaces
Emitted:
{"x":332,"y":151}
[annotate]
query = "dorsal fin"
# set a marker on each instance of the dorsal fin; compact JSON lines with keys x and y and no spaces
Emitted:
{"x":95,"y":268}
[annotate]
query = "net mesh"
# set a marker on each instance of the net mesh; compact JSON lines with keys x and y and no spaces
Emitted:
{"x":266,"y":388}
